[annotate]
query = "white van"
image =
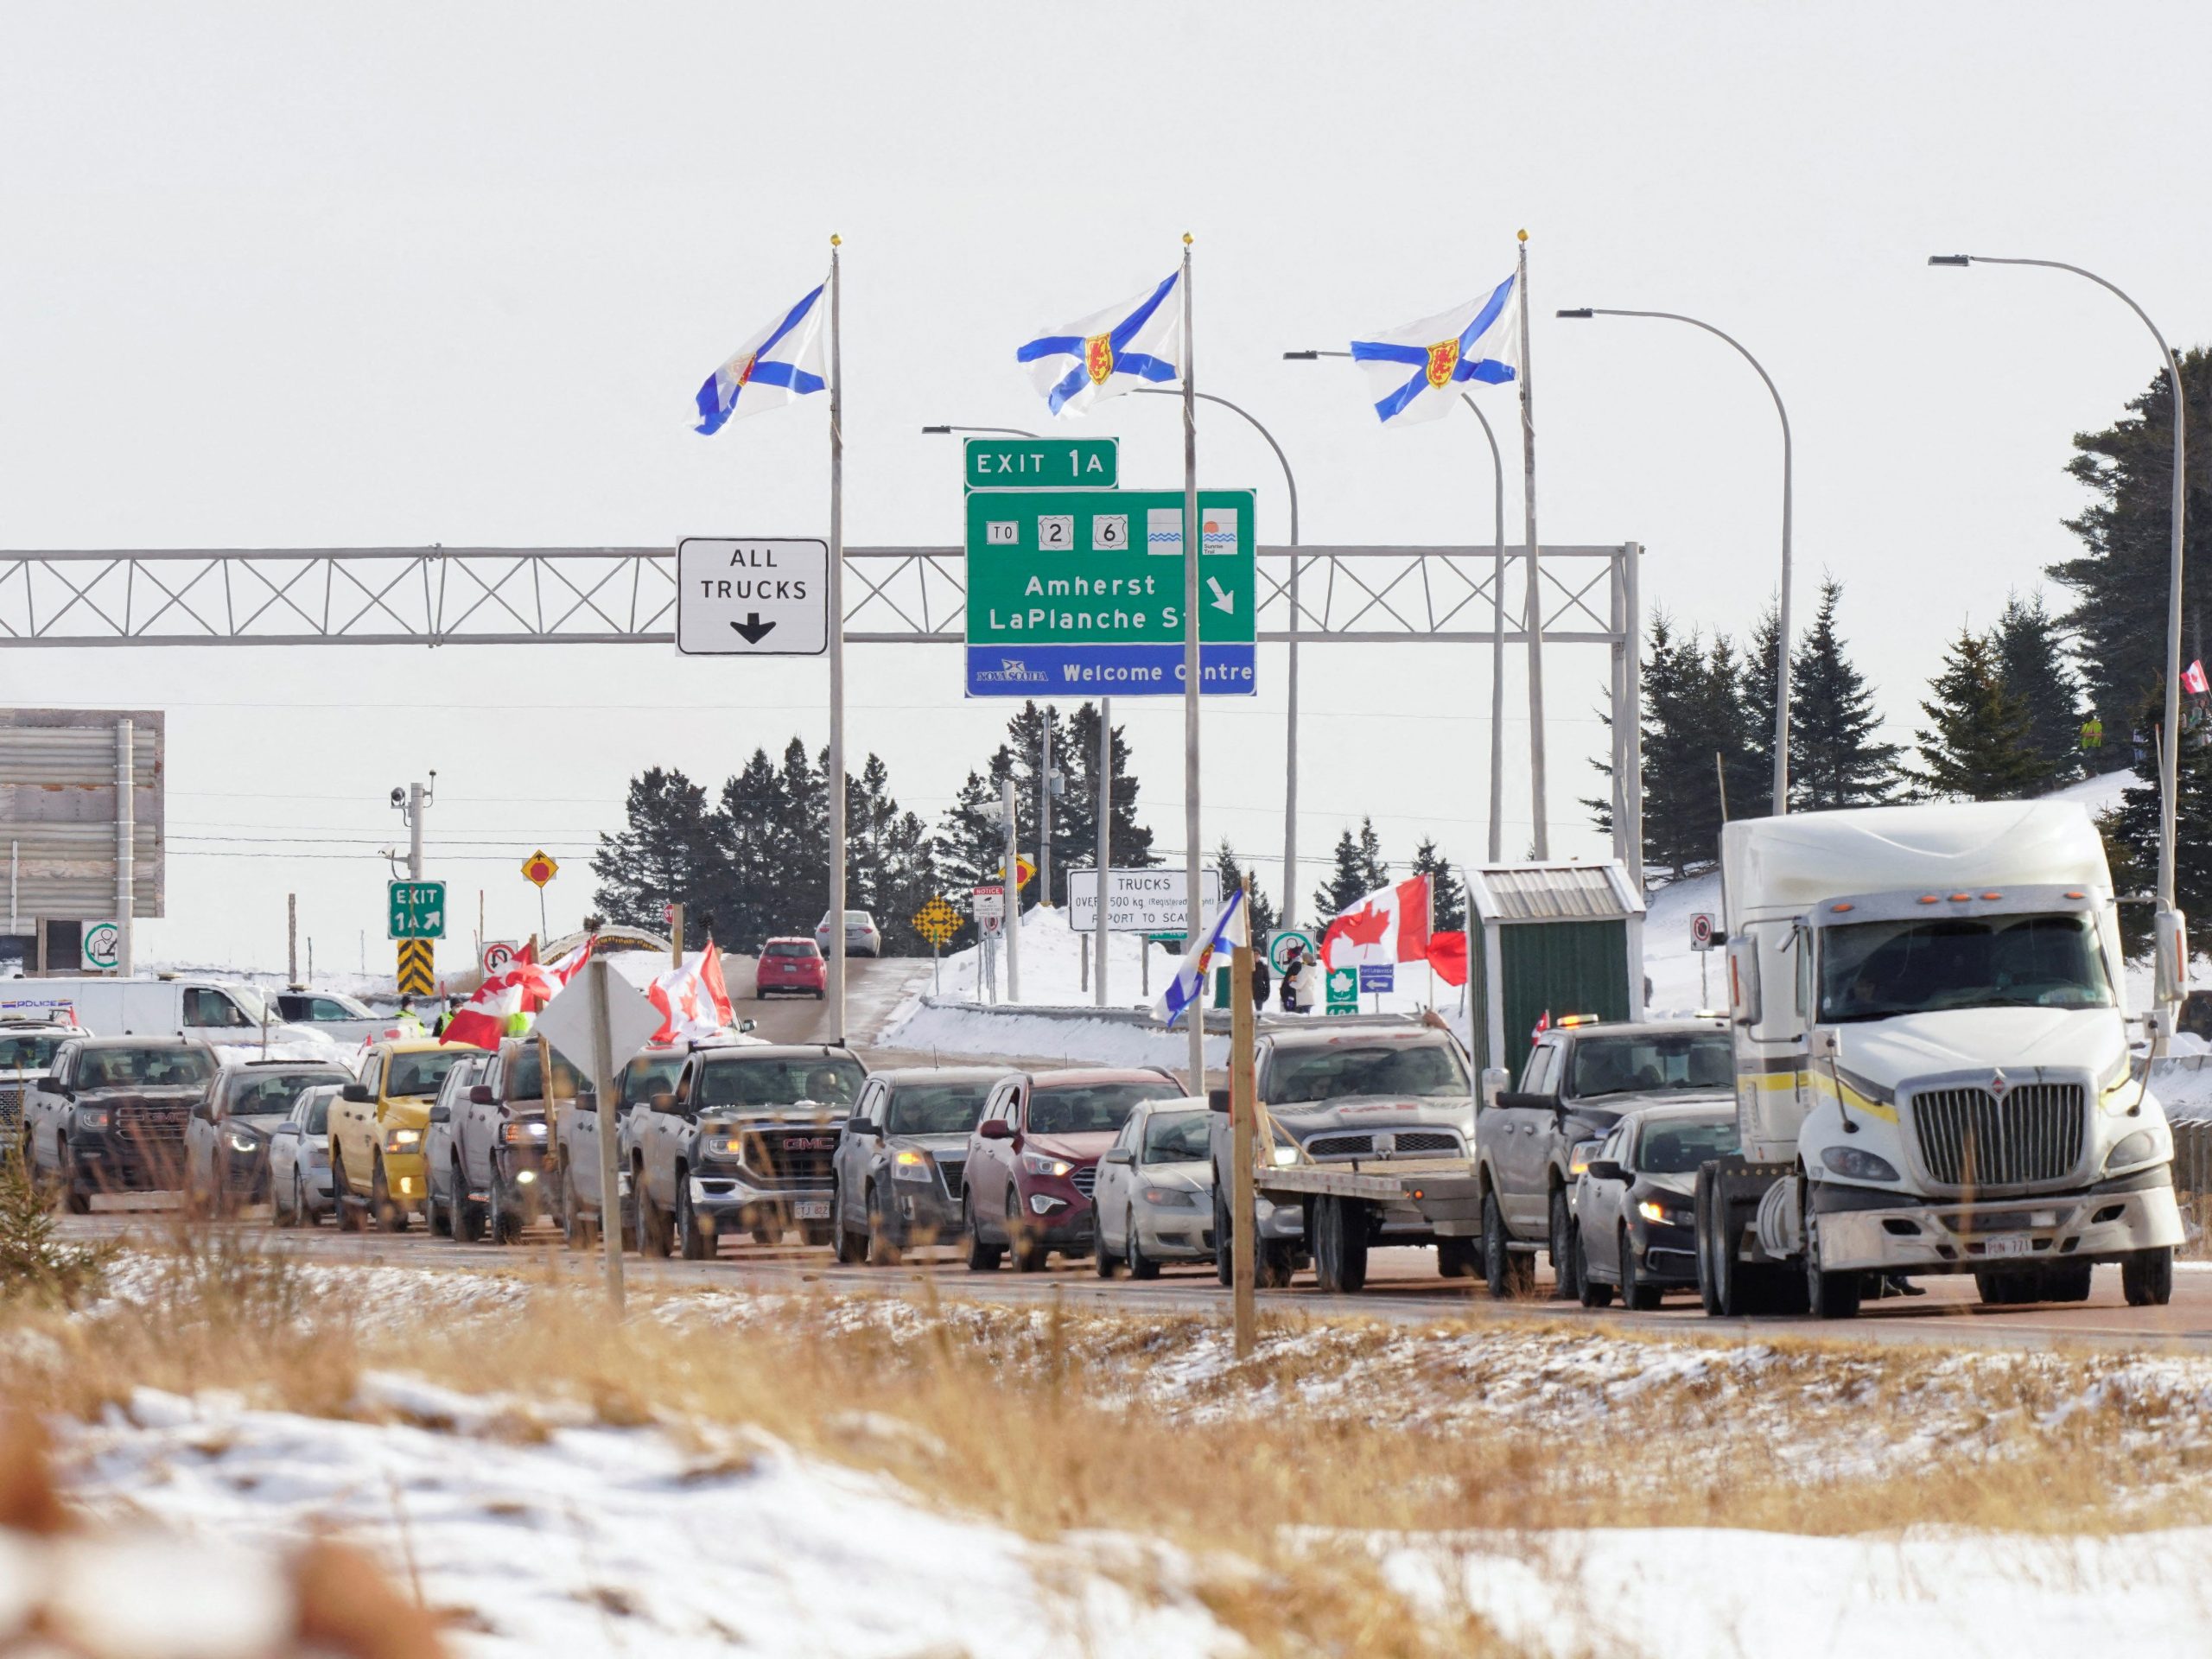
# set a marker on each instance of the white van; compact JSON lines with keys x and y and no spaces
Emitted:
{"x":164,"y":1005}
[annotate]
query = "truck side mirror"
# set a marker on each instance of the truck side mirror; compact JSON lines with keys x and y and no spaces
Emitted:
{"x":479,"y":1094}
{"x":1608,"y":1169}
{"x":1495,"y":1081}
{"x":1744,"y":981}
{"x":745,"y":1026}
{"x":356,"y":1092}
{"x":441,"y":1114}
{"x":1217,"y":1100}
{"x":2170,"y":935}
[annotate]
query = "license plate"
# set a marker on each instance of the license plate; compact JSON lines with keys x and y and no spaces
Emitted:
{"x":811,"y":1210}
{"x":2020,"y":1244}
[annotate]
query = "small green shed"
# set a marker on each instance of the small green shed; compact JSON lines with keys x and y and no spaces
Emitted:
{"x":1549,"y":939}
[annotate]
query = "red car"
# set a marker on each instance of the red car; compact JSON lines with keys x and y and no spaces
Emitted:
{"x":1032,"y":1160}
{"x":790,"y":965}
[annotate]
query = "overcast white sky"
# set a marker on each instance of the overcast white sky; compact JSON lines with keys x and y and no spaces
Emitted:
{"x":288,"y":276}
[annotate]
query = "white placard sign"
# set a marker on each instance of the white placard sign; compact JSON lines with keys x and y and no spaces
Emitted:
{"x":742,"y":597}
{"x":1139,"y":901}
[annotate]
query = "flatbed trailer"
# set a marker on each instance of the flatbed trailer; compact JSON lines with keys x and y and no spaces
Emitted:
{"x":1345,"y":1205}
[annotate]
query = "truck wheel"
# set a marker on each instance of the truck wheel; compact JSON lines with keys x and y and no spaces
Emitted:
{"x":467,"y":1214}
{"x":576,"y":1232}
{"x":351,"y":1217}
{"x":1827,"y":1295}
{"x":981,"y":1257}
{"x":655,"y":1235}
{"x":1561,"y":1242}
{"x":1635,"y":1293}
{"x":506,"y":1222}
{"x":2066,"y":1281}
{"x":1274,"y":1263}
{"x":74,"y":1199}
{"x":1716,"y":1254}
{"x":391,"y":1218}
{"x":1592,"y":1293}
{"x":1224,"y":1260}
{"x":850,"y":1246}
{"x":692,"y":1235}
{"x":1339,"y":1244}
{"x":883,"y":1250}
{"x":2147,"y":1277}
{"x":1459,"y":1258}
{"x":1506,"y":1273}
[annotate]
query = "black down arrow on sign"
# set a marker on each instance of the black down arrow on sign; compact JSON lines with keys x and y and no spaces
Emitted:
{"x":753,"y":628}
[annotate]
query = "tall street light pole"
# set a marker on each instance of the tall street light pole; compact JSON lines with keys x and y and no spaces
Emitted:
{"x":1290,"y":760}
{"x":984,"y":431}
{"x":2169,"y":749}
{"x":1781,"y":619}
{"x":1498,"y":620}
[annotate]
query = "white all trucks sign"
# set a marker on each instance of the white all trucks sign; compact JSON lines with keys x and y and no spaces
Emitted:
{"x":1139,"y":901}
{"x":742,"y":597}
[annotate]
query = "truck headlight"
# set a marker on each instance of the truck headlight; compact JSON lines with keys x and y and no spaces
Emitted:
{"x":1665,"y":1216}
{"x":723,"y":1145}
{"x":515,"y":1135}
{"x":402,"y":1139}
{"x":2138,"y":1148}
{"x":1038,"y":1163}
{"x":243,"y":1143}
{"x":1854,"y":1164}
{"x":1286,"y":1156}
{"x":910,"y":1165}
{"x":91,"y":1117}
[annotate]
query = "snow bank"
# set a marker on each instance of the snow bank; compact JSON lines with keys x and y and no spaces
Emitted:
{"x":1107,"y":1040}
{"x":587,"y":1539}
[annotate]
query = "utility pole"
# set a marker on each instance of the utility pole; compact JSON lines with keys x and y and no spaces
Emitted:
{"x":1105,"y":834}
{"x":291,"y":938}
{"x":126,"y":839}
{"x":1243,"y":1111}
{"x":675,"y":936}
{"x":1013,"y":901}
{"x":1045,"y":812}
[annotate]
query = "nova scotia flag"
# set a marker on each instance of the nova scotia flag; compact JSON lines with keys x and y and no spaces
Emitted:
{"x":1416,"y":371}
{"x":1228,"y":928}
{"x":781,"y":362}
{"x":1136,"y":343}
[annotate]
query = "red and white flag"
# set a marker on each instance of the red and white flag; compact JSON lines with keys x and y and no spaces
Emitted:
{"x":1544,"y":1023}
{"x":1389,"y":924}
{"x":692,"y":999}
{"x":2193,"y":680}
{"x":523,"y":986}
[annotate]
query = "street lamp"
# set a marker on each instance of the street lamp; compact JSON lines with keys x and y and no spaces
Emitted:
{"x":991,"y":431}
{"x":2169,"y":943}
{"x":1290,"y":761}
{"x":1498,"y":622}
{"x":1781,"y":618}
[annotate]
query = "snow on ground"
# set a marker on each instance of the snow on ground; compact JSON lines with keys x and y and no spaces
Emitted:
{"x":569,"y":1537}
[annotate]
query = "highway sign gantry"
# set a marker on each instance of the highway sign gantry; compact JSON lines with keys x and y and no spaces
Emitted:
{"x":761,"y":596}
{"x":1041,"y":463}
{"x":1081,"y":591}
{"x":416,"y":910}
{"x":418,"y":973}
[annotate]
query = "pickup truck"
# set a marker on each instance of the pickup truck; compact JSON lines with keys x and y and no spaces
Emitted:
{"x":377,"y":1133}
{"x":576,"y":1131}
{"x":110,"y":1117}
{"x":26,"y":1050}
{"x":501,"y":1142}
{"x":1581,"y":1077}
{"x":1356,"y":1095}
{"x":746,"y":1141}
{"x":441,"y":1169}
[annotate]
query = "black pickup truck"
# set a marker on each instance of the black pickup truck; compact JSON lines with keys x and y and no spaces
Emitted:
{"x":111,"y":1115}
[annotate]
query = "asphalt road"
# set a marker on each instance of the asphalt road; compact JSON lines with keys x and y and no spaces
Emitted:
{"x":874,"y":987}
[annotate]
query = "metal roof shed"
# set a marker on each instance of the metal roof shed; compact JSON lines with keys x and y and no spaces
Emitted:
{"x":1556,"y":938}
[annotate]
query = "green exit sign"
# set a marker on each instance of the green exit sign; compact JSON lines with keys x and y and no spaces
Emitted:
{"x":1042,"y":463}
{"x":417,"y":910}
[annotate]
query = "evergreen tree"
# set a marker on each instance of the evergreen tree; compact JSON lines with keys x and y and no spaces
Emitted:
{"x":1373,"y":869}
{"x":2131,"y":833}
{"x":748,"y":871}
{"x":1263,"y":917}
{"x":1075,"y":815}
{"x":1835,"y":759}
{"x":662,"y":856}
{"x":1978,"y":745}
{"x":971,"y":843}
{"x":1347,"y":883}
{"x":1751,"y":780}
{"x":2120,"y":581}
{"x":2031,"y":662}
{"x":1447,"y":899}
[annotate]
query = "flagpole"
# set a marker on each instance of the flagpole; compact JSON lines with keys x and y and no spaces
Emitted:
{"x":834,"y":782}
{"x":1193,"y":910}
{"x":1543,"y":840}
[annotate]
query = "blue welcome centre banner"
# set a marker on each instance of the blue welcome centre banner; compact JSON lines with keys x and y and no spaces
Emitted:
{"x":1108,"y":670}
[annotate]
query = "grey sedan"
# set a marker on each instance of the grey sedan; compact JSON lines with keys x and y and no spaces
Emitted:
{"x":299,"y":1159}
{"x":899,"y":1162}
{"x":1155,"y":1191}
{"x":862,"y":937}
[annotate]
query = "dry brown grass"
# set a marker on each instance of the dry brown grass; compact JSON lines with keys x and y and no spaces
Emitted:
{"x":1053,"y":1423}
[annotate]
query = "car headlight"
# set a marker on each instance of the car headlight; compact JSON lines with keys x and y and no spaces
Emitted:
{"x":1170,"y":1197}
{"x":1578,"y":1160}
{"x":910,"y":1165}
{"x":244,"y":1143}
{"x":1665,"y":1215}
{"x":1854,"y":1164}
{"x":92,"y":1117}
{"x":723,"y":1145}
{"x":1038,"y":1163}
{"x":402,"y":1139}
{"x":2138,"y":1148}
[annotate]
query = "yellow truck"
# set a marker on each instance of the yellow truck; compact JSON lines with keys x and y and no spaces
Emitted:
{"x":377,"y":1129}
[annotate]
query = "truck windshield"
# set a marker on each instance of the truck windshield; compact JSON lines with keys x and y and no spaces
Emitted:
{"x":647,"y":1076}
{"x":526,"y":1082}
{"x":421,"y":1072}
{"x":938,"y":1107}
{"x":1871,"y":971}
{"x":144,"y":1068}
{"x":272,"y":1093}
{"x":28,"y":1054}
{"x":1690,"y":1062}
{"x":1427,"y":1070}
{"x":823,"y":1080}
{"x":1679,"y":1148}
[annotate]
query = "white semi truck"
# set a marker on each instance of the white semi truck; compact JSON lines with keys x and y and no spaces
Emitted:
{"x":1933,"y":1069}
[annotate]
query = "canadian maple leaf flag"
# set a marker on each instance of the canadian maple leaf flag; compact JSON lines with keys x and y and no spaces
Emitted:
{"x":692,"y":999}
{"x":1389,"y":924}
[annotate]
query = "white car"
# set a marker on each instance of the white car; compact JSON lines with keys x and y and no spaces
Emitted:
{"x":862,"y":937}
{"x":1154,"y":1197}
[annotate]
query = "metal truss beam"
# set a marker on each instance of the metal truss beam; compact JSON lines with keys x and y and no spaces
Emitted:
{"x":626,"y":595}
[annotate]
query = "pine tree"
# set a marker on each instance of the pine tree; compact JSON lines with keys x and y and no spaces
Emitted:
{"x":1448,"y":898}
{"x":2031,"y":662}
{"x":1075,"y":815}
{"x":2131,"y":833}
{"x":1834,"y":758}
{"x":1347,"y":883}
{"x":662,"y":857}
{"x":36,"y":1265}
{"x":1263,"y":919}
{"x":971,"y":842}
{"x":1978,"y":745}
{"x":1373,"y":869}
{"x":2120,"y":582}
{"x":747,"y":868}
{"x":1750,"y":782}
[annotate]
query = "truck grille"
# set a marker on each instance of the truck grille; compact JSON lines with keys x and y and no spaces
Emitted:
{"x":11,"y":1108}
{"x":952,"y":1169}
{"x":791,"y":1157}
{"x":1971,"y":1138}
{"x":1407,"y":1141}
{"x":151,"y":1126}
{"x":1341,"y":1145}
{"x":1086,"y":1179}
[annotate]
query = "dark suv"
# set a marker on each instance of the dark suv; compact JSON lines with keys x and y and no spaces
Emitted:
{"x":226,"y":1141}
{"x":110,"y":1117}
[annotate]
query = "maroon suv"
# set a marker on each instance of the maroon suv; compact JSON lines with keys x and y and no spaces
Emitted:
{"x":1032,"y":1160}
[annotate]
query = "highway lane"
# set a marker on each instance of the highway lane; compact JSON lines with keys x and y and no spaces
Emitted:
{"x":1403,"y":1286}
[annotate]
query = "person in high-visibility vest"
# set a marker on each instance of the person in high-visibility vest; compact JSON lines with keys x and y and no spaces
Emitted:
{"x":407,"y":1019}
{"x":2092,"y":732}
